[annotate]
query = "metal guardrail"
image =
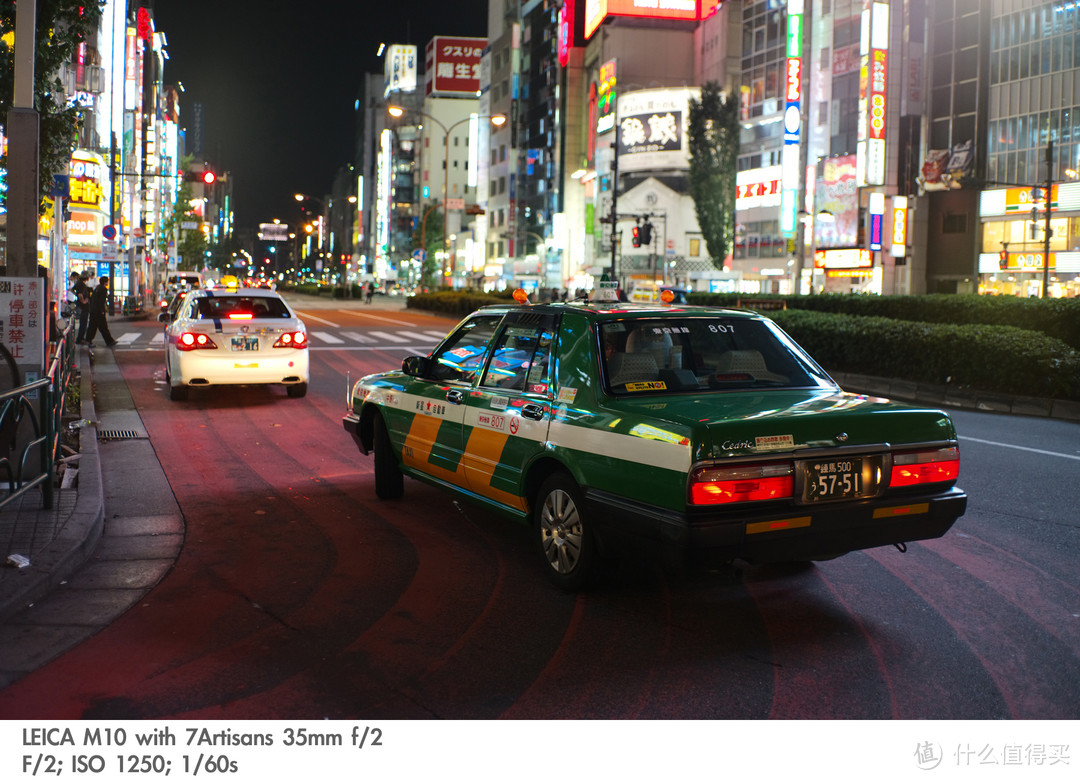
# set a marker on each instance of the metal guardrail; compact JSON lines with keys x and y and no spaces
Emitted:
{"x":30,"y":430}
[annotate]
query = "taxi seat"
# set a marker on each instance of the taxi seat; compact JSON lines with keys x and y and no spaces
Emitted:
{"x":656,"y":344}
{"x":746,"y":361}
{"x":626,"y":367}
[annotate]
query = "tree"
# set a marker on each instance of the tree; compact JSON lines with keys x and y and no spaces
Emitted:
{"x":428,"y":235}
{"x":714,"y":148}
{"x":61,"y":26}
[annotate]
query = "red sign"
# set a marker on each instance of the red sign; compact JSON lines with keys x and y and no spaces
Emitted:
{"x":878,"y":68}
{"x":793,"y":91}
{"x":598,"y":10}
{"x":566,"y":32}
{"x":453,"y":65}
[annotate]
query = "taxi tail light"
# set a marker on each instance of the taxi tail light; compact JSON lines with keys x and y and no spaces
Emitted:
{"x":296,"y":339}
{"x":923,"y":467}
{"x":744,"y":482}
{"x":191,"y":341}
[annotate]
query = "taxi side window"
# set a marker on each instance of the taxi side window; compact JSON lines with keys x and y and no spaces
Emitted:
{"x":520,"y":359}
{"x":462,"y":356}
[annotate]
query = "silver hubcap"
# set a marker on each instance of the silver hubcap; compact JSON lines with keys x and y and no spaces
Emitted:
{"x":561,"y":531}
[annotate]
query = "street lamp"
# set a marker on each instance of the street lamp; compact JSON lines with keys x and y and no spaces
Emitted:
{"x":496,"y":119}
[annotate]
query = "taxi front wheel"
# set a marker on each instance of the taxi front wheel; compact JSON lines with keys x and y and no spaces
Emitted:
{"x":564,"y":534}
{"x":389,"y":482}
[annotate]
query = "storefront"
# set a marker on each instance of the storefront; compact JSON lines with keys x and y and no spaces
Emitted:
{"x":1014,"y":242}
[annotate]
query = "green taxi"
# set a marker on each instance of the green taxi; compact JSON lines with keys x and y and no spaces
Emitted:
{"x":701,"y":434}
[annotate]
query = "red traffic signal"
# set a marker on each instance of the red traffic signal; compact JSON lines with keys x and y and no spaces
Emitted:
{"x":209,"y":177}
{"x":635,"y":236}
{"x":1003,"y":259}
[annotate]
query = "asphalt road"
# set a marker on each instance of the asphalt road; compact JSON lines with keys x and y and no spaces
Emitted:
{"x":298,"y":594}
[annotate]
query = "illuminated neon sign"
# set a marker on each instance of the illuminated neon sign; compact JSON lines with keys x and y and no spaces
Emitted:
{"x":790,"y":160}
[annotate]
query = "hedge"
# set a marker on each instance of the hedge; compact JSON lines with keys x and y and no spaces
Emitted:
{"x":996,"y":358}
{"x":1056,"y":317}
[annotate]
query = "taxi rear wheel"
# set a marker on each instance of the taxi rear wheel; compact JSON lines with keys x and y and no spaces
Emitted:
{"x":297,"y":390}
{"x":565,"y":534}
{"x":389,"y":482}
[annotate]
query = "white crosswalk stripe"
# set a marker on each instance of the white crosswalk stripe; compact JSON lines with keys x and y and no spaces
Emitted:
{"x":370,"y":338}
{"x":390,"y":336}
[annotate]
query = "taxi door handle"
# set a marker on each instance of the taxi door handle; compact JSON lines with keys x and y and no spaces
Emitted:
{"x":533,"y":411}
{"x":454,"y":396}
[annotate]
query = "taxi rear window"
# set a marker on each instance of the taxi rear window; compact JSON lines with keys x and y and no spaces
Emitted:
{"x":697,"y":354}
{"x":257,"y":307}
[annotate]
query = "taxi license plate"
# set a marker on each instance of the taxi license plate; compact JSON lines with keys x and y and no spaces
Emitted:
{"x":838,"y":478}
{"x":245,"y":343}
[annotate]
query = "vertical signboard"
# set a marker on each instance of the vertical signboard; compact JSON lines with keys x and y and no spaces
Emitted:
{"x":899,"y":226}
{"x":605,"y":98}
{"x":22,"y":319}
{"x":790,"y":161}
{"x":399,"y":69}
{"x":877,"y":219}
{"x":873,"y":102}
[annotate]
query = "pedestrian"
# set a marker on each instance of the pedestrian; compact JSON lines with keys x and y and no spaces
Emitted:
{"x":99,"y":303}
{"x":370,"y":292}
{"x":80,"y":296}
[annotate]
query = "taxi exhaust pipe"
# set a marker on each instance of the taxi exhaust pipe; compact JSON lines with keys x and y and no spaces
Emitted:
{"x":900,"y":546}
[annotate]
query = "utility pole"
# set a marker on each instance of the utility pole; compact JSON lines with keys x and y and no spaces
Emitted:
{"x":23,"y":130}
{"x":1047,"y":230}
{"x":614,"y":201}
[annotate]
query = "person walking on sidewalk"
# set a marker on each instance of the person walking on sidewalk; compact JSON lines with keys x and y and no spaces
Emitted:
{"x":80,"y":292}
{"x":99,"y":303}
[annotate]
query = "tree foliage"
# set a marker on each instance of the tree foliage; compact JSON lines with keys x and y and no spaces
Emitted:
{"x":428,"y":236}
{"x":61,"y":26}
{"x":714,"y":147}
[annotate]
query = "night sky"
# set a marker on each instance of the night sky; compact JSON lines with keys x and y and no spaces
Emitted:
{"x":278,"y":80}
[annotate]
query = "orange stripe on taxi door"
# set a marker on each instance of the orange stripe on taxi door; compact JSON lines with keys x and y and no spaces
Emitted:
{"x":417,"y":453}
{"x":482,"y":455}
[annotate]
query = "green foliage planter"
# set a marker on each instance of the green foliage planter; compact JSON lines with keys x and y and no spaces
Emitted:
{"x":457,"y":304}
{"x":1056,"y":317}
{"x":996,"y":358}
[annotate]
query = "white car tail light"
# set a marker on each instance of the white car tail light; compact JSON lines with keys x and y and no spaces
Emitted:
{"x":742,"y":482}
{"x":188,"y":341}
{"x":296,"y":339}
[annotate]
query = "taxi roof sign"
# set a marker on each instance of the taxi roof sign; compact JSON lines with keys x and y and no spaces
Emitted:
{"x":606,"y":291}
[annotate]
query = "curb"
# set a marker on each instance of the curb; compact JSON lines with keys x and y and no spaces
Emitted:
{"x":78,"y":538}
{"x":960,"y":398}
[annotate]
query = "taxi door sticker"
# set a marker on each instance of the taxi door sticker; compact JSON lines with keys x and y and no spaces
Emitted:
{"x":637,"y":387}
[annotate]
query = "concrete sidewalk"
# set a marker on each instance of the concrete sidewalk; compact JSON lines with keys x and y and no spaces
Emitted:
{"x":105,"y":543}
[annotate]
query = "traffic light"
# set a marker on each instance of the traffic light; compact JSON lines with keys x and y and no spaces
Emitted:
{"x":1003,"y":259}
{"x":209,"y":177}
{"x":646,"y":233}
{"x":635,"y":236}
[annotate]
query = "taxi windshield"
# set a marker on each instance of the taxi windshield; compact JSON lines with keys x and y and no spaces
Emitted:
{"x":696,"y":354}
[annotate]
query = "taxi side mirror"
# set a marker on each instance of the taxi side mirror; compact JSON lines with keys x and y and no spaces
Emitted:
{"x":164,"y":317}
{"x":416,"y":365}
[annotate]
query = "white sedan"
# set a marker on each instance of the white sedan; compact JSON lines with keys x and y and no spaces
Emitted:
{"x":235,"y":337}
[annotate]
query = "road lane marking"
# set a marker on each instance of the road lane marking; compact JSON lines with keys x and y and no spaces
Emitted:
{"x":327,"y":337}
{"x":308,"y":316}
{"x":1018,"y":447}
{"x":370,"y":316}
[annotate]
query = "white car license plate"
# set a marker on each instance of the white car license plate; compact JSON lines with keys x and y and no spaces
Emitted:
{"x":245,"y":343}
